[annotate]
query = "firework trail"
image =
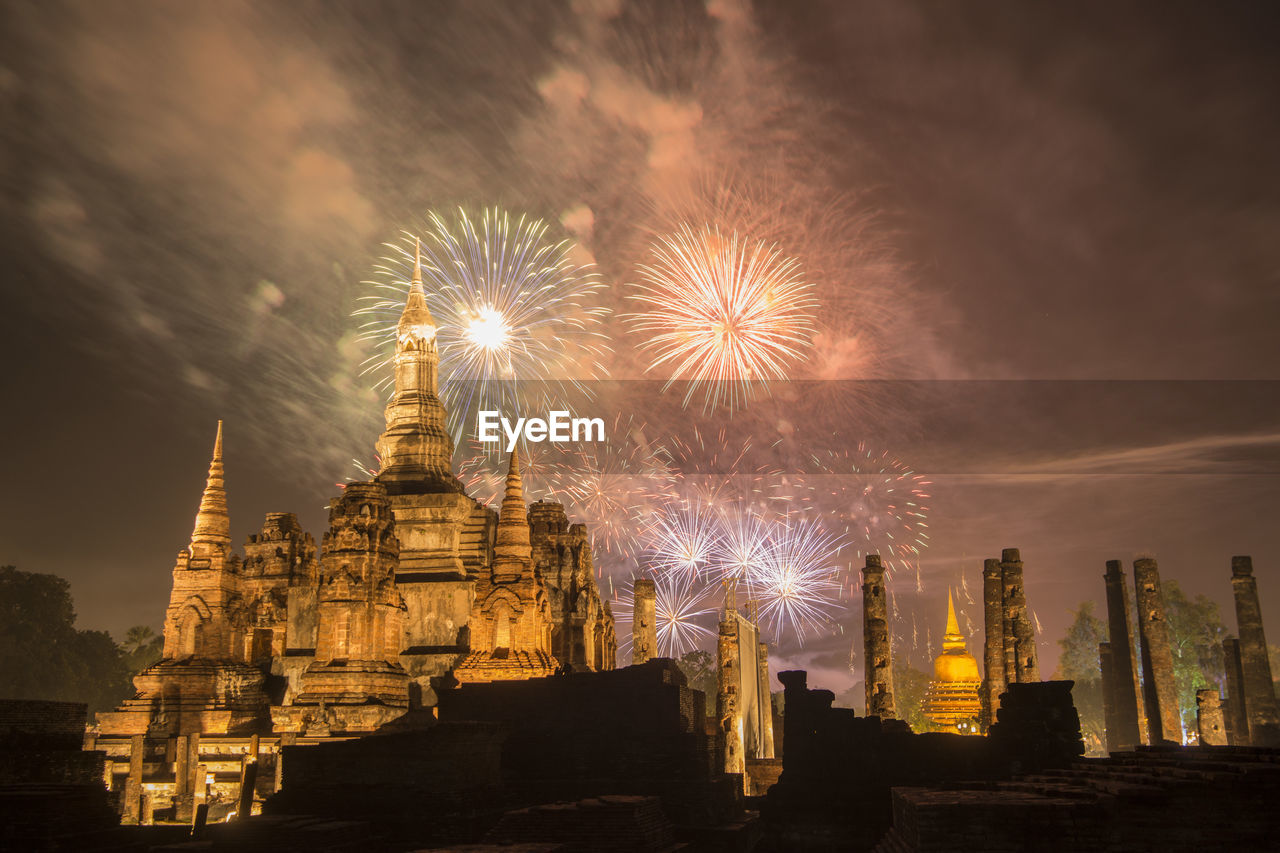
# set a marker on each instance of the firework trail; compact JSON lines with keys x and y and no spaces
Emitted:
{"x":879,"y":502}
{"x":725,"y":313}
{"x":519,"y":322}
{"x":368,"y":472}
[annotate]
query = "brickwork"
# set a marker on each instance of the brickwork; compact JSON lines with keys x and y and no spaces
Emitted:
{"x":1159,"y":689}
{"x":876,"y":642}
{"x":1259,"y":690}
{"x":1124,"y":699}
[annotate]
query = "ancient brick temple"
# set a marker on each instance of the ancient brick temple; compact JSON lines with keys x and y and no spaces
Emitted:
{"x":415,"y":587}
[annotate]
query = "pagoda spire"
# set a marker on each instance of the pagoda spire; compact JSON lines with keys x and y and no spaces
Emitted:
{"x":953,"y":639}
{"x":416,"y":449}
{"x":512,"y":539}
{"x":213,"y":524}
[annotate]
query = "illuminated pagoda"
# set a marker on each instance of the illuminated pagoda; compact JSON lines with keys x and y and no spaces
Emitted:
{"x":951,"y":702}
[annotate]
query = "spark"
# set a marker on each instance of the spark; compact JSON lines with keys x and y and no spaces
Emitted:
{"x":878,"y":500}
{"x":545,"y":470}
{"x":370,"y":472}
{"x":617,"y":487}
{"x":684,"y":541}
{"x":519,"y":321}
{"x":727,"y":314}
{"x":682,"y":604}
{"x":797,"y":580}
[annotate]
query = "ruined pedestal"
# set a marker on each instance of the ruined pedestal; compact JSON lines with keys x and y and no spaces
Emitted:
{"x":1209,"y":721}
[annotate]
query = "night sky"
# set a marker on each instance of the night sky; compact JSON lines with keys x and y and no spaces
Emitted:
{"x":1044,"y":240}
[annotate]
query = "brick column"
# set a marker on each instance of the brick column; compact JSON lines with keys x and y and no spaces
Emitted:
{"x":728,"y":706}
{"x":644,"y":621}
{"x":1236,"y":712}
{"x":1160,"y":690}
{"x":1110,"y":689}
{"x":1019,"y":631}
{"x":765,"y":699}
{"x":993,"y":646}
{"x":1259,"y":689}
{"x":1130,"y":715}
{"x":133,"y":786}
{"x":876,"y":649}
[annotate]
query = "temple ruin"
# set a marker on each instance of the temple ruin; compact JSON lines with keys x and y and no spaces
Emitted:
{"x":415,"y":588}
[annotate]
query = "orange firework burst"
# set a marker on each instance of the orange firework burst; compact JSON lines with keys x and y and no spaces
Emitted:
{"x":725,"y":313}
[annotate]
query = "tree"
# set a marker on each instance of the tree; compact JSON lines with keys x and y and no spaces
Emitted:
{"x":1079,"y":662}
{"x":43,"y":656}
{"x":909,"y":686}
{"x":1195,"y":635}
{"x":142,"y":647}
{"x":700,"y":671}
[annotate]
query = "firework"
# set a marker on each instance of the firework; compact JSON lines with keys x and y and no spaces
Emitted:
{"x":683,"y":605}
{"x":684,"y":541}
{"x":876,"y":500}
{"x":616,"y":488}
{"x":797,"y":583}
{"x":725,"y":313}
{"x":741,"y":549}
{"x":518,"y":319}
{"x":545,"y":469}
{"x":368,"y":472}
{"x":729,"y":477}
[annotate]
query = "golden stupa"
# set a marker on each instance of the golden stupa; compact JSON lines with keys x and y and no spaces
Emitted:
{"x":952,"y":702}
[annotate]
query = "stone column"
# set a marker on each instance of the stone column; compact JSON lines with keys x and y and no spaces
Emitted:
{"x":1018,"y":627}
{"x":1209,"y":719}
{"x":1259,"y":689}
{"x":181,"y":779}
{"x":286,"y":739}
{"x":993,"y":647}
{"x":133,"y":786}
{"x":644,"y":621}
{"x":765,"y":699}
{"x":1110,"y":689}
{"x":875,"y":641}
{"x":1160,"y":690}
{"x":728,"y":710}
{"x":1237,"y":711}
{"x":1130,"y":715}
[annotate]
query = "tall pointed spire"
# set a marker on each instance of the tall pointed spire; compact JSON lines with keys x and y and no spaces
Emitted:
{"x":416,"y":449}
{"x":953,"y":639}
{"x":512,"y":538}
{"x":213,"y":524}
